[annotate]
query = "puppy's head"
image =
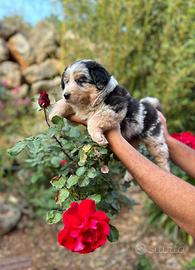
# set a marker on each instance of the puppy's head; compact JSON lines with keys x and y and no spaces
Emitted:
{"x":83,"y":81}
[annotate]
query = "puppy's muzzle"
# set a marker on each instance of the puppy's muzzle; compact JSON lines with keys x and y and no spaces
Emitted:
{"x":67,"y":96}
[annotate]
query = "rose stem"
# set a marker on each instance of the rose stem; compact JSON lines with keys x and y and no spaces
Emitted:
{"x":60,"y":144}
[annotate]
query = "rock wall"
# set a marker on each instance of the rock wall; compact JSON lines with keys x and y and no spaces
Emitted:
{"x":29,"y":57}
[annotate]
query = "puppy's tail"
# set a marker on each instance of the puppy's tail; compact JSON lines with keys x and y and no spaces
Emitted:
{"x":153,"y":101}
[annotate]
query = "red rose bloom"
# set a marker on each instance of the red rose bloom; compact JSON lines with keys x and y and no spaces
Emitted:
{"x":44,"y":100}
{"x":185,"y":137}
{"x":63,"y":162}
{"x":85,"y":228}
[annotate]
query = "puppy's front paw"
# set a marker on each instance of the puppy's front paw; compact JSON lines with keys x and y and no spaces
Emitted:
{"x":99,"y":138}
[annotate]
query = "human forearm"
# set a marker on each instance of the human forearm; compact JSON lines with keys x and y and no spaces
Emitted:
{"x":174,"y":196}
{"x":182,"y":155}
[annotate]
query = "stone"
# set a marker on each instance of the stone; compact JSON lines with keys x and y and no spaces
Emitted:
{"x":10,"y":74}
{"x":53,"y":85}
{"x":7,"y":29}
{"x":9,"y":217}
{"x":46,"y":70}
{"x":58,"y":53}
{"x":12,"y":25}
{"x":44,"y":41}
{"x":4,"y":52}
{"x":21,"y":50}
{"x":20,"y":91}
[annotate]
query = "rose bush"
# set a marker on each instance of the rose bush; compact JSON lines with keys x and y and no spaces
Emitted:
{"x":78,"y":170}
{"x":85,"y":228}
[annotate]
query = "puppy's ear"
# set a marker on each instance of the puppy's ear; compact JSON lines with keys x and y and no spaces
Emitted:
{"x":62,"y":79}
{"x":62,"y":82}
{"x":99,"y":74}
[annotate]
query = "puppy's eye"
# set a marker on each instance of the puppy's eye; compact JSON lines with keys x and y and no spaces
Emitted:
{"x":81,"y":80}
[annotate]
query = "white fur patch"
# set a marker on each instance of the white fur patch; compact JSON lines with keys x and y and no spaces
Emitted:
{"x":111,"y":85}
{"x":151,"y":100}
{"x":76,"y":67}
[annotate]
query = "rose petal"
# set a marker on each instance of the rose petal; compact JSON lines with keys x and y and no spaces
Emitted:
{"x":62,"y":236}
{"x":93,"y":224}
{"x":70,"y":243}
{"x":71,"y":221}
{"x":70,"y":216}
{"x":105,"y":227}
{"x":74,"y":233}
{"x":101,"y":215}
{"x":78,"y":245}
{"x":86,"y":208}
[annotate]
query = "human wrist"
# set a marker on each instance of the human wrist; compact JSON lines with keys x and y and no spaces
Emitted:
{"x":113,"y":136}
{"x":172,"y":144}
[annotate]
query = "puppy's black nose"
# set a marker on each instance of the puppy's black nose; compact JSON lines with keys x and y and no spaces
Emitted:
{"x":66,"y":96}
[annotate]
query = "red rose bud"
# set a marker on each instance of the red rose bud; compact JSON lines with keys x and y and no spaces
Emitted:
{"x":44,"y":100}
{"x":85,"y":228}
{"x":63,"y":162}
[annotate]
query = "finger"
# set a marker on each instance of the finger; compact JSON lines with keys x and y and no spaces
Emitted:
{"x":162,"y":118}
{"x":76,"y":119}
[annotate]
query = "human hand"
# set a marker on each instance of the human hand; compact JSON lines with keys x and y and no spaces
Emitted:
{"x":164,"y":123}
{"x":76,"y":119}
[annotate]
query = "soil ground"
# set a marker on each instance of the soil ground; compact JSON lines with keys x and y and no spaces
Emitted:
{"x":38,"y":240}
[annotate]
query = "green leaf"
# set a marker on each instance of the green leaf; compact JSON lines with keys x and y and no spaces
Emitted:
{"x":66,"y":204}
{"x":39,"y":175}
{"x":55,"y":161}
{"x":74,"y":132}
{"x":53,"y":216}
{"x":85,"y":182}
{"x":14,"y":151}
{"x":57,"y":120}
{"x":63,"y":194}
{"x":190,"y":242}
{"x":114,"y":234}
{"x":103,"y":151}
{"x":72,"y":180}
{"x":52,"y":131}
{"x":86,"y":148}
{"x":80,"y":171}
{"x":58,"y":182}
{"x":92,"y":173}
{"x":83,"y":158}
{"x":95,"y":197}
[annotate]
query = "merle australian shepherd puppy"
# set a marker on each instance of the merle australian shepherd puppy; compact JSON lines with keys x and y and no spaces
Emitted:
{"x":90,"y":92}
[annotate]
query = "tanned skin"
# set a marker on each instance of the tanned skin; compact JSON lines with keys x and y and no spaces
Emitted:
{"x":172,"y":194}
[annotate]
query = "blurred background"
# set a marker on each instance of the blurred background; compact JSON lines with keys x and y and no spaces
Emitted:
{"x":149,"y":46}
